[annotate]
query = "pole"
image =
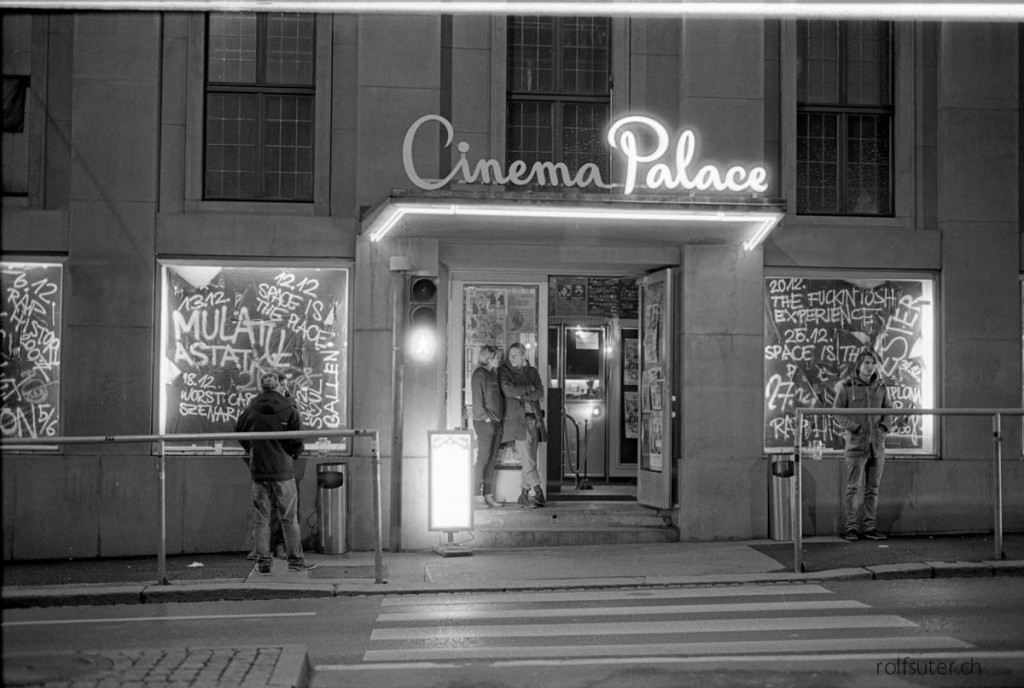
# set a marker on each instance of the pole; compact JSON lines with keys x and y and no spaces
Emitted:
{"x":161,"y":555}
{"x":378,"y":554}
{"x":997,"y":480}
{"x":398,"y":407}
{"x":796,"y":523}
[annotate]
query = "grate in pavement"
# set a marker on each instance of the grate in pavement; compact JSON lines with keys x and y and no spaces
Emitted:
{"x":346,"y":571}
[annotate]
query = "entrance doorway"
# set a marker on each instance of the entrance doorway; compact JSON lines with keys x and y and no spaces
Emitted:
{"x":593,"y":458}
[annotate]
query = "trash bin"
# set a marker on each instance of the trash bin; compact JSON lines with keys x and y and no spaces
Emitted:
{"x":330,"y":507}
{"x":780,"y":498}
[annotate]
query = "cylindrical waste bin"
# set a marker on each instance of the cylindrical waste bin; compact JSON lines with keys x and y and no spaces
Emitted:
{"x":330,"y":507}
{"x":780,"y":498}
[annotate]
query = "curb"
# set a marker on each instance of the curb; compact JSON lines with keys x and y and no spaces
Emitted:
{"x":52,"y":596}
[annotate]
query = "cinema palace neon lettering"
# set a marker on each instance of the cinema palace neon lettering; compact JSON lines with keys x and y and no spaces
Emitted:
{"x":622,"y":137}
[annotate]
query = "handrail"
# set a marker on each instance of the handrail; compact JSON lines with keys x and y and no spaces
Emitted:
{"x":163,"y":439}
{"x":796,"y":510}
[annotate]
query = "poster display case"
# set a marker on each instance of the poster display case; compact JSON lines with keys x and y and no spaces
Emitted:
{"x":221,"y":325}
{"x":814,"y":327}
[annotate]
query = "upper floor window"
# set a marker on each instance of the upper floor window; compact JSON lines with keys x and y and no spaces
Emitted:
{"x":844,"y":118}
{"x":17,"y":83}
{"x":559,"y":90}
{"x":260,"y":92}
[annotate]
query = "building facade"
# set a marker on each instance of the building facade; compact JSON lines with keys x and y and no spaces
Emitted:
{"x":692,"y":225}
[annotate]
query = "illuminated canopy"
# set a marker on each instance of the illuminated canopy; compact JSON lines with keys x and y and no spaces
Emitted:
{"x":586,"y":219}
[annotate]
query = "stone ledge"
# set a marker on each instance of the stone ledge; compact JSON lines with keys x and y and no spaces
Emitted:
{"x":1006,"y":567}
{"x":959,"y":569}
{"x":887,"y":571}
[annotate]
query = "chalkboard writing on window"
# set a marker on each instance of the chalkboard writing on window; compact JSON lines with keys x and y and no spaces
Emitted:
{"x":30,"y":349}
{"x":222,"y":326}
{"x":814,"y":329}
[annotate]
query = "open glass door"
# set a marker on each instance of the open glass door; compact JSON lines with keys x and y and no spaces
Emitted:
{"x":654,"y":470}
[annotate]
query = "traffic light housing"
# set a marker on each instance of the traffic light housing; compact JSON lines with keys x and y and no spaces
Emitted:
{"x":422,"y":317}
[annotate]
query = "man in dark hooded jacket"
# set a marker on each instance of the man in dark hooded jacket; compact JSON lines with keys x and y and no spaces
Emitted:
{"x":273,"y":475}
{"x":865,"y":442}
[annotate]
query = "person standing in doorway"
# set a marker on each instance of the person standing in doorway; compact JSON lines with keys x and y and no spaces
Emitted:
{"x":488,"y":412}
{"x":273,"y":474}
{"x":523,"y":392}
{"x":865,"y":442}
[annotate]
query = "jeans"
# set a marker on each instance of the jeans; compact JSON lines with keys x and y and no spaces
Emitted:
{"x":488,"y":441}
{"x":286,"y":494}
{"x":529,"y":478}
{"x":867,"y":470}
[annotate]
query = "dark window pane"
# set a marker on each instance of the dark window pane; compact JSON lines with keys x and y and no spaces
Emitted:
{"x":818,"y":167}
{"x":530,"y":135}
{"x":868,"y":63}
{"x":868,"y":166}
{"x":582,"y":140}
{"x":585,"y":55}
{"x":231,"y":49}
{"x":290,"y":43}
{"x":287,"y":163}
{"x":818,"y":47}
{"x":531,"y":54}
{"x":231,"y":146}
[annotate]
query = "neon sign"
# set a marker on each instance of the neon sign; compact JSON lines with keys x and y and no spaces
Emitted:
{"x":682,"y":173}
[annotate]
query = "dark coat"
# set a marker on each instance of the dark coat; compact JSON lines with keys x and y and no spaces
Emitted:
{"x":488,"y":403}
{"x":273,"y":459}
{"x":524,"y":393}
{"x":867,"y":431}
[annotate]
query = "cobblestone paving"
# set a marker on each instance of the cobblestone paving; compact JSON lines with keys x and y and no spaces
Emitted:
{"x":161,"y":668}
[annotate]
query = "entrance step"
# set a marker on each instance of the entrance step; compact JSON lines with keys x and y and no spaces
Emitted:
{"x":571,"y":523}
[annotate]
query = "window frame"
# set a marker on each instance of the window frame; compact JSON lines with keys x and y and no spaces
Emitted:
{"x":195,"y":126}
{"x":557,"y":99}
{"x":844,"y":112}
{"x":902,"y":148}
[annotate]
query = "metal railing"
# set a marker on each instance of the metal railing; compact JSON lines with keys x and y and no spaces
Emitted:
{"x":162,"y":440}
{"x":796,"y":508}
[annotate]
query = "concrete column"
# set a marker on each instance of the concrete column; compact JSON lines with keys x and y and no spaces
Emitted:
{"x":722,"y":477}
{"x":978,"y":194}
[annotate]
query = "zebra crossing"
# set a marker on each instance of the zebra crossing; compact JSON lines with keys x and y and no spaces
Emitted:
{"x":717,"y":621}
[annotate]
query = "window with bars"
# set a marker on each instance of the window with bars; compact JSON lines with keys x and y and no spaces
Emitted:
{"x":844,"y":118}
{"x":559,"y":90}
{"x":260,"y":90}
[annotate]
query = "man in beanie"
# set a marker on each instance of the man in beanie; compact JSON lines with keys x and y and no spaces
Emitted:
{"x":273,"y":475}
{"x":865,"y":441}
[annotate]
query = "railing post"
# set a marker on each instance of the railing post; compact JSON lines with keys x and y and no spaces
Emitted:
{"x":796,"y":522}
{"x":997,"y":478}
{"x":378,"y":555}
{"x":161,"y":556}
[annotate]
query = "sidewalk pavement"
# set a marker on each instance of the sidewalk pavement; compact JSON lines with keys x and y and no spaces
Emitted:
{"x":231,"y":577}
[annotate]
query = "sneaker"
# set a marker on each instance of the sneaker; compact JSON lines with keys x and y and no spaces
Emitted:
{"x":253,"y":555}
{"x":538,"y":496}
{"x":874,"y":535}
{"x":263,"y":568}
{"x":281,"y":552}
{"x":525,"y":501}
{"x":851,"y":535}
{"x":492,"y":502}
{"x":301,"y":566}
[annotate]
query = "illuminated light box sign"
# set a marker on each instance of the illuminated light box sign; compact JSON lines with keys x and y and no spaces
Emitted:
{"x":680,"y":172}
